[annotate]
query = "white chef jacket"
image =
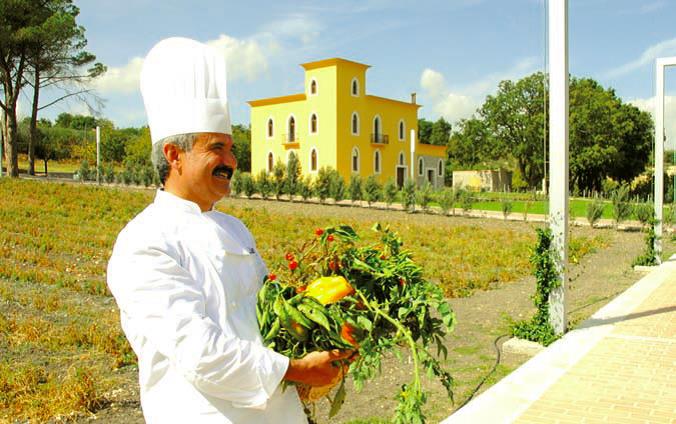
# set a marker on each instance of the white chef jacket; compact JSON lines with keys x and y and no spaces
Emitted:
{"x":186,"y":284}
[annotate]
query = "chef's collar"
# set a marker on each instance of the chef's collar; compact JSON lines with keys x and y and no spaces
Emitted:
{"x":165,"y":199}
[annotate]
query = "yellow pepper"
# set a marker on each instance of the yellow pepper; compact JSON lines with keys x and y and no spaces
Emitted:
{"x":329,"y":290}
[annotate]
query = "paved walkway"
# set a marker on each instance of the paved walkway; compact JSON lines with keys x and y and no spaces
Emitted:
{"x":618,"y":367}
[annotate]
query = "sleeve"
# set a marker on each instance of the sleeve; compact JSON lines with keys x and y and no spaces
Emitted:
{"x":165,"y":305}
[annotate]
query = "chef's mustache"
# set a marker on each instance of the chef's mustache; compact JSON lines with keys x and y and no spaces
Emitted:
{"x":224,"y":168}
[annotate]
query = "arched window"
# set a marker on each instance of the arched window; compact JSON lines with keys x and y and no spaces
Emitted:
{"x":401,"y":158}
{"x":313,"y":87}
{"x":355,"y":159}
{"x":271,"y":162}
{"x":376,"y":162}
{"x":292,"y":129}
{"x":313,"y":123}
{"x":402,"y":130}
{"x":355,"y":87}
{"x":421,"y":164}
{"x":313,"y":160}
{"x":355,"y":123}
{"x":376,"y":126}
{"x":441,"y":167}
{"x":271,"y":128}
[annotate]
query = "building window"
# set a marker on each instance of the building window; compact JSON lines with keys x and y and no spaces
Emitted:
{"x":271,"y":128}
{"x":313,"y":87}
{"x":402,"y":130}
{"x":355,"y":123}
{"x":313,"y":160}
{"x":441,"y":168}
{"x":313,"y":123}
{"x":355,"y":87}
{"x":376,"y":162}
{"x":291,"y":129}
{"x":421,"y":165}
{"x":401,"y":158}
{"x":376,"y":126}
{"x":355,"y":159}
{"x":271,"y":162}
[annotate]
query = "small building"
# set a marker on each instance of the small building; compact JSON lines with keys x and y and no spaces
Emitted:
{"x":334,"y":123}
{"x":487,"y":180}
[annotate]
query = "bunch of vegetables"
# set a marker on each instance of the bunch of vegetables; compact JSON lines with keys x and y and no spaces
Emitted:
{"x":337,"y":294}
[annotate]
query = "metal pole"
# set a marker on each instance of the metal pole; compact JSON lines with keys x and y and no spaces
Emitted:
{"x":558,"y":154}
{"x":659,"y":153}
{"x":412,"y":164}
{"x":98,"y":163}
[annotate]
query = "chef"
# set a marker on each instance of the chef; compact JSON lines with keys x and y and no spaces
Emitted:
{"x":185,"y":276}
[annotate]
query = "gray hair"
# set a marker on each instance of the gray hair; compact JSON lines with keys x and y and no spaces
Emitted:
{"x":182,"y":141}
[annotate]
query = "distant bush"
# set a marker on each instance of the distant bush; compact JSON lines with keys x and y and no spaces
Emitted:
{"x":390,"y":192}
{"x":84,"y":171}
{"x":644,"y":213}
{"x":263,"y":184}
{"x":305,"y":188}
{"x":408,"y":196}
{"x":322,"y":185}
{"x":466,"y":200}
{"x":248,"y":185}
{"x":373,"y":192}
{"x":446,"y":199}
{"x":336,"y":186}
{"x":424,"y":196}
{"x":621,"y":207}
{"x":108,"y":173}
{"x":506,"y":208}
{"x":595,"y":211}
{"x":236,"y":183}
{"x":355,"y":189}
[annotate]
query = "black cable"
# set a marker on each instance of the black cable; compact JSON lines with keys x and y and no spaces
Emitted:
{"x":495,"y":366}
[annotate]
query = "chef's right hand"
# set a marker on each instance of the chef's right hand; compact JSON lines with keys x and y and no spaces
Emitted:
{"x":317,"y":368}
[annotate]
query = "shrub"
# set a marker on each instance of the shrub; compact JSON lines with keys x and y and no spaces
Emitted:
{"x":506,"y":208}
{"x":355,"y":189}
{"x":305,"y":188}
{"x":644,"y":213}
{"x":109,"y":173}
{"x":424,"y":196}
{"x":466,"y":200}
{"x":608,"y":186}
{"x":621,"y":207}
{"x":146,"y":174}
{"x":408,"y":196}
{"x":84,"y":171}
{"x":248,"y":185}
{"x":278,"y":179}
{"x":263,"y":184}
{"x":322,"y":185}
{"x":447,"y":200}
{"x":292,"y":176}
{"x":526,"y":206}
{"x":373,"y":192}
{"x":390,"y":192}
{"x":595,"y":211}
{"x":649,"y":256}
{"x":336,"y":186}
{"x":236,"y":184}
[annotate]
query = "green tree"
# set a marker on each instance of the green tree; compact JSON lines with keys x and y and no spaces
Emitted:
{"x":424,"y":196}
{"x":373,"y":192}
{"x":441,"y":132}
{"x":278,"y":179}
{"x":355,"y":189}
{"x":305,"y":190}
{"x":390,"y":192}
{"x":56,"y":59}
{"x":424,"y":130}
{"x":264,"y":184}
{"x":53,"y":143}
{"x":322,"y":185}
{"x":337,"y":186}
{"x":408,"y":195}
{"x":469,"y":144}
{"x":292,"y":176}
{"x":241,"y":147}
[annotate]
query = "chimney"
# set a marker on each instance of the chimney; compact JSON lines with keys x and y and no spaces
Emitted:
{"x":413,"y":98}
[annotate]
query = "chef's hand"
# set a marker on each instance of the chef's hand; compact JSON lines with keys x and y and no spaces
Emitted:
{"x":317,"y":368}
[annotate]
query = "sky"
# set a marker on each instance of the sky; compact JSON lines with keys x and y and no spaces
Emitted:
{"x":452,"y":53}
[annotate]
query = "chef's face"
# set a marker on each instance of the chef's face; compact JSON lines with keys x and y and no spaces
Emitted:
{"x":208,"y":167}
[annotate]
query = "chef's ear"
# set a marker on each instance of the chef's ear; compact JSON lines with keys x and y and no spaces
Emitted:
{"x":171,"y":153}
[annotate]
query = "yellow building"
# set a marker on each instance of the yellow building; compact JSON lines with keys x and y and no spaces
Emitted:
{"x":334,"y":123}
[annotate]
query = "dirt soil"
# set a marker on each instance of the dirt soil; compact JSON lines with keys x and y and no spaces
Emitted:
{"x":481,"y":320}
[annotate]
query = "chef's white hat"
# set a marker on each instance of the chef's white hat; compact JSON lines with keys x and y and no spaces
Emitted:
{"x":183,"y":88}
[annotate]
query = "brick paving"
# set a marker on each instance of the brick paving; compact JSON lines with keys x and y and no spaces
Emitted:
{"x":619,"y":367}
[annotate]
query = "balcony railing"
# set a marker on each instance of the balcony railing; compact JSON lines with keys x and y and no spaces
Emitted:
{"x":380,"y":139}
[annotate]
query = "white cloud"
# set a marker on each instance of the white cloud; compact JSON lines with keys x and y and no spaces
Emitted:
{"x":456,"y":104}
{"x":664,"y":48}
{"x":244,"y":58}
{"x":451,"y":106}
{"x":648,"y":105}
{"x":124,"y":79}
